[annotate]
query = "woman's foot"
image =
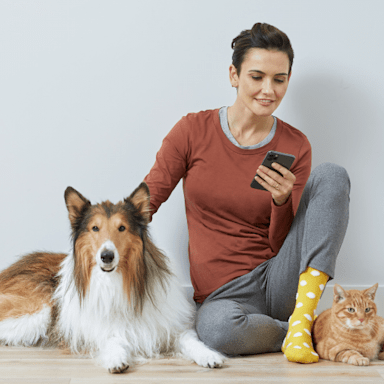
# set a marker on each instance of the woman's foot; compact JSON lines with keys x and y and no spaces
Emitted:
{"x":297,"y":345}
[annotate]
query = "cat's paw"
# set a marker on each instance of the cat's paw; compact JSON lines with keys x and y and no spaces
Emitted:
{"x":358,"y":360}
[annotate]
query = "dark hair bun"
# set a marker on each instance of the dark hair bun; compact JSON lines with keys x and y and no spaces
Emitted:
{"x":261,"y":35}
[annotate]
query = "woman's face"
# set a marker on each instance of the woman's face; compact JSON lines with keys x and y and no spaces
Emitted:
{"x":263,"y":80}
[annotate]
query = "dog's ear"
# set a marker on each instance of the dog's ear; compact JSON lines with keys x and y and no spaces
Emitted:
{"x":76,"y":203}
{"x":140,"y":199}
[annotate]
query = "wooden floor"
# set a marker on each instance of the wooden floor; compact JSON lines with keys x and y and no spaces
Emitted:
{"x":38,"y":366}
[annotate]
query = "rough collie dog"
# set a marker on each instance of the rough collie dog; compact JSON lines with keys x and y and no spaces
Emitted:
{"x":113,"y":297}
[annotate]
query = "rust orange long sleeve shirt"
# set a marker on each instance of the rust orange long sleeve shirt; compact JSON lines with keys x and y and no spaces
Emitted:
{"x":232,"y":227}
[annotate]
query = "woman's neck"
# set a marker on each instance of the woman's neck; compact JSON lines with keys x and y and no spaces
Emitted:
{"x":246,"y":127}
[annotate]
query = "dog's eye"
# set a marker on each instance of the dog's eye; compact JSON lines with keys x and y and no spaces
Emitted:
{"x":95,"y":229}
{"x":122,"y":228}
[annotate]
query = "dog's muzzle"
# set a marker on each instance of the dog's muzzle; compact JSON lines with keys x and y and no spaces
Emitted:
{"x":108,"y":257}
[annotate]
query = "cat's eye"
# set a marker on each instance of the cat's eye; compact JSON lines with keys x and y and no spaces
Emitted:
{"x":351,"y":310}
{"x":367,"y":310}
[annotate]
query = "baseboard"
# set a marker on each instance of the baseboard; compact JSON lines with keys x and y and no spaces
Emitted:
{"x":327,"y":297}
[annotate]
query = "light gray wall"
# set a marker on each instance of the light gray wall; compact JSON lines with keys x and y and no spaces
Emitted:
{"x":88,"y":90}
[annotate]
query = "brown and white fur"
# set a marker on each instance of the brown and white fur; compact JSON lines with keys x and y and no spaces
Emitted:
{"x":350,"y":331}
{"x":113,"y":297}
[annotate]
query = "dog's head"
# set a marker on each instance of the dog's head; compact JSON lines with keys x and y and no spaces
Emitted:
{"x":113,"y":239}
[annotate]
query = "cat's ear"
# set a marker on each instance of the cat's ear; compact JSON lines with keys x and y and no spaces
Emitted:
{"x":371,"y":292}
{"x":338,"y":293}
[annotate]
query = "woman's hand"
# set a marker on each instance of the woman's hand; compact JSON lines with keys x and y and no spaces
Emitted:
{"x":279,"y":186}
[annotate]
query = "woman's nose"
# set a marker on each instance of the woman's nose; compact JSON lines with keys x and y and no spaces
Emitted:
{"x":267,"y":87}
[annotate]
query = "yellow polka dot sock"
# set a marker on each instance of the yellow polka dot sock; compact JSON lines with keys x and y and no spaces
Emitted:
{"x":297,"y":345}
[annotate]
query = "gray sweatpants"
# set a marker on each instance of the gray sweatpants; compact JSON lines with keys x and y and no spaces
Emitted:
{"x":249,"y":314}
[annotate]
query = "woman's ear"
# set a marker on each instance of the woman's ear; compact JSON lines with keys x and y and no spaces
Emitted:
{"x":233,"y":77}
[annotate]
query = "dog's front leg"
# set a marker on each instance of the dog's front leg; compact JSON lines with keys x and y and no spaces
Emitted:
{"x":193,"y":348}
{"x":115,"y":355}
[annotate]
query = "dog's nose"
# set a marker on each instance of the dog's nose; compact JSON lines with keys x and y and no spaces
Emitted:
{"x":107,"y":257}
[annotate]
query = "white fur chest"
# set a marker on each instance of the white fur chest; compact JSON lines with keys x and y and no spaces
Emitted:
{"x":105,"y":312}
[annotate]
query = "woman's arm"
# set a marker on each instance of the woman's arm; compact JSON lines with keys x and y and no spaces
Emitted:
{"x":170,"y":165}
{"x":285,"y":201}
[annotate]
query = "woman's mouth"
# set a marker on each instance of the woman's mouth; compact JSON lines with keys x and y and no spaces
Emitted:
{"x":265,"y":102}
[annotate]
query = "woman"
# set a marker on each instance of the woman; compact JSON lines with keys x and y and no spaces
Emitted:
{"x":253,"y":252}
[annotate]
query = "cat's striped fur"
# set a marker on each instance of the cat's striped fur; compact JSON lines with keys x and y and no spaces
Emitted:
{"x":351,"y":331}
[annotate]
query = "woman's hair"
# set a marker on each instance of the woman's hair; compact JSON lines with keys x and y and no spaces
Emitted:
{"x":264,"y":36}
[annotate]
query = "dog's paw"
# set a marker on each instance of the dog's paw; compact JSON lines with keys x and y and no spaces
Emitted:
{"x":115,"y":356}
{"x":120,"y":369}
{"x":193,"y":348}
{"x":210,"y":359}
{"x":117,"y":366}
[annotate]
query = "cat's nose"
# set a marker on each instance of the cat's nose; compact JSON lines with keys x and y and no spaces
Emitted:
{"x":361,"y":320}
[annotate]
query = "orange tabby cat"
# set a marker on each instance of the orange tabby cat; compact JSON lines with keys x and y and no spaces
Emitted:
{"x":350,"y":331}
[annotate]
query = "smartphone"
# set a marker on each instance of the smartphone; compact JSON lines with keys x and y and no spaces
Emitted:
{"x":284,"y":159}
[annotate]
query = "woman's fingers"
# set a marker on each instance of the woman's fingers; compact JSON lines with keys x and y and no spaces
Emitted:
{"x":279,"y":186}
{"x":287,"y":174}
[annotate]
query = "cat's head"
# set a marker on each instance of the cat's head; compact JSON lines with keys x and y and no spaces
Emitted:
{"x":355,"y":309}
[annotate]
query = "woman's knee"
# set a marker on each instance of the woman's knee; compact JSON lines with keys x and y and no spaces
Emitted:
{"x":332,"y":177}
{"x":215,"y":323}
{"x":226,"y":326}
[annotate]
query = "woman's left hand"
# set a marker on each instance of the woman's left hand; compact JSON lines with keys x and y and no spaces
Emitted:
{"x":279,"y":186}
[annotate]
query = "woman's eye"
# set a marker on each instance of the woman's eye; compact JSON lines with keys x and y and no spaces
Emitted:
{"x":279,"y":81}
{"x":121,"y":228}
{"x":95,"y":229}
{"x":256,"y":77}
{"x":351,"y":310}
{"x":367,"y":310}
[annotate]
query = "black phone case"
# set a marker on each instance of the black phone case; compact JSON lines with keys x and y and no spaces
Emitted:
{"x":284,"y":159}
